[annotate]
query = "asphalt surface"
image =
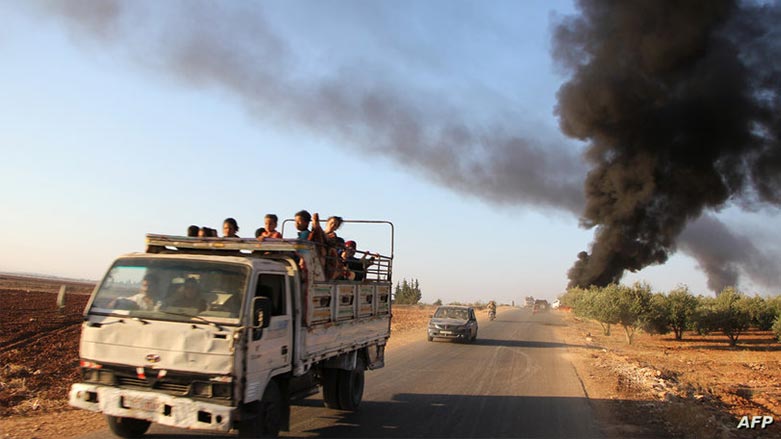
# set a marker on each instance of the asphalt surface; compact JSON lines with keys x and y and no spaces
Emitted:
{"x":513,"y":381}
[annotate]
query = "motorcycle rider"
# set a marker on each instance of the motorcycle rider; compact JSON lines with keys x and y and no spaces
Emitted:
{"x":492,"y":310}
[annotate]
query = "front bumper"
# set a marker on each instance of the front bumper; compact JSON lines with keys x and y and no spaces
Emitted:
{"x":448,"y":333}
{"x":155,"y":407}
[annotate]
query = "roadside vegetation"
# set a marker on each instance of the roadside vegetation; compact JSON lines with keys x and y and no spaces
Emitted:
{"x":407,"y":292}
{"x":636,"y":307}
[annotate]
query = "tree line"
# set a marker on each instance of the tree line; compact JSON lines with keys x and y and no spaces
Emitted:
{"x":636,"y":308}
{"x":407,"y":292}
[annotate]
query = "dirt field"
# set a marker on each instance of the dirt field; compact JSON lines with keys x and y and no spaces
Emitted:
{"x":696,"y":388}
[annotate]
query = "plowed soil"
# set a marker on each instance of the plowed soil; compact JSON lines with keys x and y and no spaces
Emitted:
{"x":38,"y":343}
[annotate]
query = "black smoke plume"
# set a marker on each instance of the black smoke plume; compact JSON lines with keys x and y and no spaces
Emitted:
{"x":679,"y":103}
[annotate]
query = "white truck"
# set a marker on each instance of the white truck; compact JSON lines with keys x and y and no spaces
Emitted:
{"x":221,"y":334}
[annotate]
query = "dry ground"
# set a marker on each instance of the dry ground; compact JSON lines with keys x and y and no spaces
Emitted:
{"x":695,"y":388}
{"x":655,"y":388}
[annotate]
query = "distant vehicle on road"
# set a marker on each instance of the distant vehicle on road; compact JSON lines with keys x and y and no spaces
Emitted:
{"x":529,"y":302}
{"x":454,"y":322}
{"x":556,"y":304}
{"x":541,"y":305}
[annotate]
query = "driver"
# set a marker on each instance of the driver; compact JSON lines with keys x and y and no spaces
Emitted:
{"x":147,"y":297}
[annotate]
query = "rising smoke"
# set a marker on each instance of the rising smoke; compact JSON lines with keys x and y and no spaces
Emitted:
{"x":680,"y":115}
{"x":723,"y":255}
{"x":677,"y":119}
{"x":232,"y":47}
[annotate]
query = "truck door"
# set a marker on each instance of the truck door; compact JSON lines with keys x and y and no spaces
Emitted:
{"x":270,"y":348}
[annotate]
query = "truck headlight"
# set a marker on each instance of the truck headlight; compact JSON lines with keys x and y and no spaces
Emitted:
{"x":221,"y":390}
{"x":203,"y":389}
{"x":211,"y":389}
{"x":98,"y":376}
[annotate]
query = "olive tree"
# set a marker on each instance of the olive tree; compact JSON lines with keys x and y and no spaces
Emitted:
{"x":762,"y":313}
{"x":681,"y":306}
{"x":729,"y":313}
{"x":600,"y":304}
{"x":571,"y":298}
{"x":657,"y":320}
{"x":632,"y":306}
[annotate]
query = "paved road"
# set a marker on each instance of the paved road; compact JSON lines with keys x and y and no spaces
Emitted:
{"x":514,"y":381}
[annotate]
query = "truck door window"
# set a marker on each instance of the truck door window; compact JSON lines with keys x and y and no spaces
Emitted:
{"x":273,"y":287}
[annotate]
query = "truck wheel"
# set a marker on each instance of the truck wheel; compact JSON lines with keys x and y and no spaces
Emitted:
{"x":350,"y":388}
{"x":268,"y":415}
{"x":127,"y":427}
{"x":430,"y":338}
{"x":331,"y":388}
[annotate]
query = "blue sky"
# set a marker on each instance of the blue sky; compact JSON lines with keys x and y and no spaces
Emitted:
{"x":102,"y":141}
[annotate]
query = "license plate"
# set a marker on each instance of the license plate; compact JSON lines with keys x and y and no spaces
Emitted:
{"x":446,"y":332}
{"x":144,"y":403}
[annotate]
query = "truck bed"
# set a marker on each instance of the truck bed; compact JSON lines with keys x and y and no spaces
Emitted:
{"x":344,"y":316}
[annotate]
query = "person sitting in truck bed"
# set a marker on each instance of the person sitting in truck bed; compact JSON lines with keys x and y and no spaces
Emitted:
{"x":207,"y":232}
{"x":188,"y":296}
{"x":270,"y":231}
{"x":332,"y":248}
{"x":303,"y":218}
{"x":192,"y":231}
{"x":320,"y":237}
{"x":331,"y":226}
{"x":354,"y":268}
{"x":229,"y":228}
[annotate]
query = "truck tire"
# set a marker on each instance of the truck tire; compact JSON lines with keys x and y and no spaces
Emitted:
{"x":331,"y":388}
{"x":268,"y":416}
{"x":127,"y":427}
{"x":350,"y":388}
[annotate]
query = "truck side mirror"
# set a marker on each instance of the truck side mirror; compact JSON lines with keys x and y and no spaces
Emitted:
{"x":261,"y":312}
{"x":261,"y":316}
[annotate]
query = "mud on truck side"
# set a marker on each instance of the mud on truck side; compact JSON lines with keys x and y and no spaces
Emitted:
{"x":259,"y":333}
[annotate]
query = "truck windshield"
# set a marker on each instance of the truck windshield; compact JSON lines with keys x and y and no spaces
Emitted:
{"x":172,"y":289}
